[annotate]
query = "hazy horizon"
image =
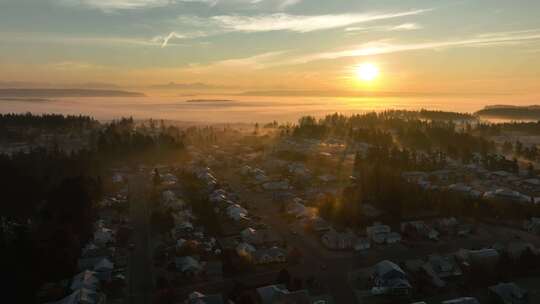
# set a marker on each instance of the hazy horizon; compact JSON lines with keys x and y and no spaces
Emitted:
{"x":275,"y":47}
{"x":243,"y":109}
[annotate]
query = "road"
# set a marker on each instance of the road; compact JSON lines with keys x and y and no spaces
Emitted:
{"x":333,"y":277}
{"x":140,"y":267}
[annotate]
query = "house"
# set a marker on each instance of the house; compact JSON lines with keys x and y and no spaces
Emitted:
{"x":188,"y":265}
{"x":414,"y":176}
{"x":338,"y":240}
{"x":446,"y":225}
{"x":393,"y":238}
{"x":199,"y":298}
{"x":268,"y":256}
{"x":297,"y":209}
{"x":516,"y":250}
{"x":362,"y":244}
{"x":251,"y":236}
{"x":104,"y":269}
{"x":507,"y":195}
{"x":82,"y":296}
{"x":279,"y":294}
{"x":318,"y":224}
{"x":440,"y":269}
{"x":86,"y":279}
{"x":389,"y":278}
{"x":327,"y":178}
{"x":508,"y":293}
{"x":486,"y":258}
{"x":378,"y":232}
{"x":276,"y":185}
{"x":419,"y":229}
{"x":462,"y":300}
{"x":532,"y":225}
{"x":103,"y":236}
{"x":236,"y":212}
{"x":245,"y":250}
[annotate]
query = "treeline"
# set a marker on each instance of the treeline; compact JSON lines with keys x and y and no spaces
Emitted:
{"x":511,"y":112}
{"x":47,"y":215}
{"x":49,"y":197}
{"x":46,"y":121}
{"x":123,"y":140}
{"x":432,"y":115}
{"x":397,"y":127}
{"x":378,"y":182}
{"x":494,"y":129}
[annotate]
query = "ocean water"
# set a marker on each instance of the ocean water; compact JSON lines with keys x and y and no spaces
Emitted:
{"x":244,"y":109}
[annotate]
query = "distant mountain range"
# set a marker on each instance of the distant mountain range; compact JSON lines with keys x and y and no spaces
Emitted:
{"x":48,"y":93}
{"x":531,"y":112}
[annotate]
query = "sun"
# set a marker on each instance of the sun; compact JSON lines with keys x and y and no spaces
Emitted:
{"x":367,"y":72}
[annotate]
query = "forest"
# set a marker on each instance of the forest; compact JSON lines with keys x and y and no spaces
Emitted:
{"x":48,"y":202}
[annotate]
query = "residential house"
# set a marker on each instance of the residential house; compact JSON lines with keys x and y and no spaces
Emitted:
{"x":318,"y":224}
{"x":338,"y":240}
{"x":389,"y":278}
{"x":507,"y":195}
{"x":104,"y":269}
{"x":236,"y":212}
{"x":86,"y":279}
{"x":279,"y":294}
{"x":199,"y":298}
{"x":362,"y":244}
{"x":268,"y":256}
{"x":259,"y":237}
{"x":486,"y":258}
{"x":419,"y":229}
{"x":462,"y":300}
{"x":245,"y":250}
{"x":378,"y":233}
{"x":441,"y":268}
{"x":508,"y":293}
{"x":103,"y":236}
{"x":188,"y":265}
{"x":532,"y":225}
{"x":393,"y":238}
{"x":83,"y":296}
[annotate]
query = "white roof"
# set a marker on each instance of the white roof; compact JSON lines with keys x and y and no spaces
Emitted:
{"x":104,"y":265}
{"x":86,"y":279}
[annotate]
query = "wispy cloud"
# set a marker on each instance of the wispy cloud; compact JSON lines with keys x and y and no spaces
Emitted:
{"x":301,"y":23}
{"x":254,"y":62}
{"x":164,"y":40}
{"x":385,"y":47}
{"x":386,"y":28}
{"x":11,"y":37}
{"x":281,"y":22}
{"x":111,"y":5}
{"x":406,"y":27}
{"x":115,"y":5}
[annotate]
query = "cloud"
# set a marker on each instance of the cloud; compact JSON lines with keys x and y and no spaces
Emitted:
{"x":384,"y":47}
{"x":255,"y":62}
{"x":386,"y":28}
{"x":111,"y":5}
{"x":114,"y":5}
{"x":301,"y":23}
{"x":258,"y":61}
{"x":72,"y":39}
{"x":406,"y":27}
{"x":280,"y":22}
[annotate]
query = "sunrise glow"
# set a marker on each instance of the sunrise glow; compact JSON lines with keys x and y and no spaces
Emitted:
{"x":367,"y":72}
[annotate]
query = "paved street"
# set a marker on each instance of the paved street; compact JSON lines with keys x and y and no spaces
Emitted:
{"x":140,"y":280}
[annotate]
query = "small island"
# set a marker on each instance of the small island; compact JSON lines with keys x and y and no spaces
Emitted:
{"x":531,"y":112}
{"x":41,"y":93}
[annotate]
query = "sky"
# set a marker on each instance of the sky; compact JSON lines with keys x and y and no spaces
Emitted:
{"x":311,"y":47}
